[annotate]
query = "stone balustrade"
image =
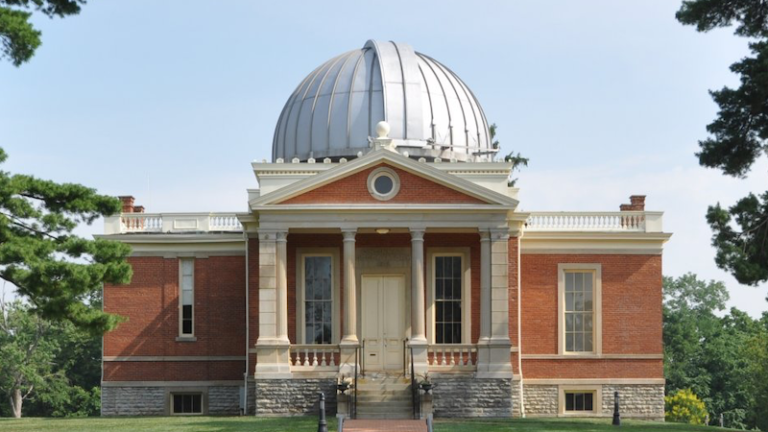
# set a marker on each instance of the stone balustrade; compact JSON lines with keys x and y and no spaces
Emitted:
{"x":624,"y":221}
{"x":452,"y":357}
{"x":172,"y":223}
{"x":314,"y":358}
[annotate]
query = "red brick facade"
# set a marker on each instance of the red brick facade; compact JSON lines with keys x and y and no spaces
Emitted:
{"x":354,"y":189}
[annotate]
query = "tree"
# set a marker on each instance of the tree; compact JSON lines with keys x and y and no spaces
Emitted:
{"x":55,"y":270}
{"x":717,"y":357}
{"x":739,"y":136}
{"x":18,"y":37}
{"x":517,"y":160}
{"x":26,"y":354}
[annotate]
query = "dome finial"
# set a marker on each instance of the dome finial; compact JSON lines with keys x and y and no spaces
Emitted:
{"x":382,"y":129}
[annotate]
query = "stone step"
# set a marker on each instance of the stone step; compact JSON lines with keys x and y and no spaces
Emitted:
{"x":385,"y":416}
{"x":383,"y":387}
{"x":383,"y":398}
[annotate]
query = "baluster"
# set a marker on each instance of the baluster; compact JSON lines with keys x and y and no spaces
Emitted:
{"x":451,"y":359}
{"x":333,"y":357}
{"x":306,"y":357}
{"x":314,"y":359}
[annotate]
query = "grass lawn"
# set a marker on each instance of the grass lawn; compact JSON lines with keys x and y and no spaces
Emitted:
{"x":309,"y":424}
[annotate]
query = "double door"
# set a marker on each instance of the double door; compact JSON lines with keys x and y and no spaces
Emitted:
{"x":383,"y":321}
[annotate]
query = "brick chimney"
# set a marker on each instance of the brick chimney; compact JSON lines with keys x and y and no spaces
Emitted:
{"x":636,"y":203}
{"x":138,"y":209}
{"x":127,"y":203}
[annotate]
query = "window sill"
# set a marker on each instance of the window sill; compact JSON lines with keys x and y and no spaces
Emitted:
{"x":186,"y":339}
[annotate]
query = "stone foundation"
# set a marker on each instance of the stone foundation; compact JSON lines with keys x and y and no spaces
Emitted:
{"x":154,"y":401}
{"x":132,"y":401}
{"x":293,"y":396}
{"x":466,"y":396}
{"x":637,"y":401}
{"x":645,"y":401}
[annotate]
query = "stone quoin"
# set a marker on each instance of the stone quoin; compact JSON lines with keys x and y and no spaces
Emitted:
{"x":384,"y":244}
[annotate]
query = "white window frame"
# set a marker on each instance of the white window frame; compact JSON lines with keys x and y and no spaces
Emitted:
{"x":388,"y":172}
{"x":597,"y":328}
{"x":301,"y":254}
{"x":597,"y":399}
{"x":181,"y":300}
{"x":466,"y":292}
{"x":188,"y":393}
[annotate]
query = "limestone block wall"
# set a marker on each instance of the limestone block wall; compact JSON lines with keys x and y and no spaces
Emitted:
{"x":640,"y":401}
{"x":472,"y":397}
{"x":540,"y":400}
{"x":296,"y":396}
{"x":132,"y":401}
{"x":224,"y":400}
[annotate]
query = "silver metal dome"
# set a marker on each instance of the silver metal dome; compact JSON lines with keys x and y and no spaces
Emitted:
{"x":335,"y":109}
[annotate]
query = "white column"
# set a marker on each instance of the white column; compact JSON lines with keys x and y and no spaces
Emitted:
{"x":281,"y":260}
{"x":273,"y":346}
{"x":494,"y":359}
{"x":418,"y":333}
{"x":418,"y":342}
{"x":485,"y":286}
{"x":350,"y":289}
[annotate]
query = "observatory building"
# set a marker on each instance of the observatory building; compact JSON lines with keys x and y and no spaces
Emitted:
{"x":384,"y":261}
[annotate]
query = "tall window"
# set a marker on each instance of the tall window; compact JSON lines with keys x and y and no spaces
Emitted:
{"x":579,"y":311}
{"x":448,"y":288}
{"x":318,"y":300}
{"x":187,"y":300}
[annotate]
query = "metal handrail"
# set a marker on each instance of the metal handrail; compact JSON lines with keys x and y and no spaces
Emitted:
{"x":362,"y":360}
{"x":414,"y":389}
{"x":405,"y":357}
{"x":354,"y":403}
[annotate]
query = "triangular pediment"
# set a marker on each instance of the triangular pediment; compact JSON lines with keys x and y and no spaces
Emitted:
{"x":419,"y":184}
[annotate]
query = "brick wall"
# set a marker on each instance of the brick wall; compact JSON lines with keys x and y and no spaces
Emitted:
{"x":150,"y":302}
{"x":631,"y":315}
{"x":354,"y":189}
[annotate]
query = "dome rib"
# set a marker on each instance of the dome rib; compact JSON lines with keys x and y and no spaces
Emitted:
{"x":422,"y":99}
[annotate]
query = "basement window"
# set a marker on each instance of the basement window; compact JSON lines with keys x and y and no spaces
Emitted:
{"x":579,"y":401}
{"x":187,"y":404}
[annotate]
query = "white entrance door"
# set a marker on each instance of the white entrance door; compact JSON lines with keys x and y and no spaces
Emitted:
{"x":383,"y":318}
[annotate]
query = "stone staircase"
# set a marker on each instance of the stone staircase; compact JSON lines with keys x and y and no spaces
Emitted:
{"x":384,"y":397}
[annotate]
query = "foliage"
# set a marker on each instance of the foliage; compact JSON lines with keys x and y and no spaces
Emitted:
{"x":18,"y":37}
{"x":26,"y":354}
{"x":51,"y":267}
{"x":291,"y":424}
{"x":55,"y":366}
{"x":739,"y":136}
{"x":708,"y":353}
{"x":685,"y":407}
{"x":517,"y":160}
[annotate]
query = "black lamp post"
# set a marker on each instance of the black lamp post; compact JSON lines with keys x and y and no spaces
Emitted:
{"x":616,"y":414}
{"x":322,"y":426}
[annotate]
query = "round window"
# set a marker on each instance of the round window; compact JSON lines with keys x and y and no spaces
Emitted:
{"x":383,"y":184}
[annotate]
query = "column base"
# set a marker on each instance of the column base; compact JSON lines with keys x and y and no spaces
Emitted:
{"x":420,"y":356}
{"x":347,"y":363}
{"x":273,"y":359}
{"x":494,"y":359}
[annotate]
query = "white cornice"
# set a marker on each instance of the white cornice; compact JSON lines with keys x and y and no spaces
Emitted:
{"x":421,"y":169}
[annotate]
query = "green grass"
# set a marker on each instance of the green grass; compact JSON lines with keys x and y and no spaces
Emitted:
{"x":309,"y":424}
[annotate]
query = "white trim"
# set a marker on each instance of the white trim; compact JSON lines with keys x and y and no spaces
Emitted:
{"x":594,"y":381}
{"x":221,"y":383}
{"x":181,"y":300}
{"x":597,"y":325}
{"x":333,"y":253}
{"x":171,"y":358}
{"x":399,"y":161}
{"x":466,"y":290}
{"x":597,"y":399}
{"x":383,"y":172}
{"x":592,"y":356}
{"x":187,"y":393}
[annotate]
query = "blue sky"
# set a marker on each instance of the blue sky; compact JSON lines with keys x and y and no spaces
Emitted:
{"x":170,"y":101}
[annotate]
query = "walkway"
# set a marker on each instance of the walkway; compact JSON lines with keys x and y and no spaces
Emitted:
{"x":385,"y":426}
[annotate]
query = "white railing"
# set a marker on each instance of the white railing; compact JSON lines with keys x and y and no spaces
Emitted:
{"x":314,"y":358}
{"x":172,"y":223}
{"x":447,"y":357}
{"x":626,"y":221}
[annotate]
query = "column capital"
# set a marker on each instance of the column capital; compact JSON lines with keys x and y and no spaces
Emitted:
{"x":500,"y":234}
{"x":281,"y":236}
{"x":485,"y":235}
{"x":417,"y":234}
{"x":267,"y":235}
{"x":349,"y":234}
